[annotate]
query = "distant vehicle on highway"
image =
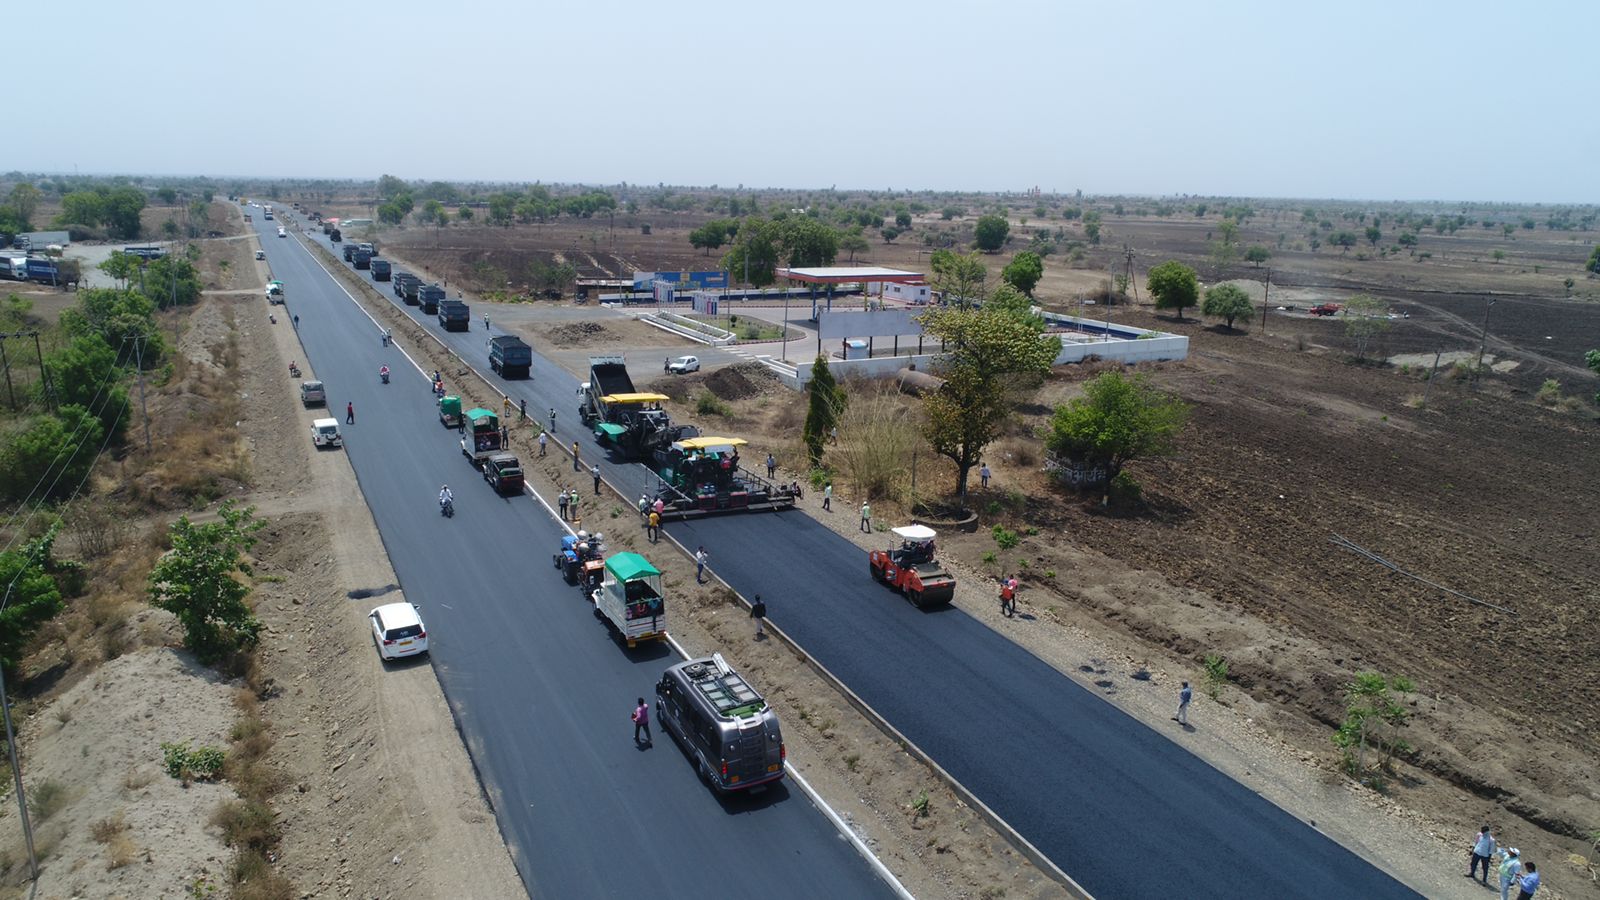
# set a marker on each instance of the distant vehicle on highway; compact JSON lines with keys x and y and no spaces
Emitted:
{"x":397,"y":631}
{"x":282,"y":233}
{"x":727,"y":729}
{"x":261,"y":254}
{"x":683,"y":365}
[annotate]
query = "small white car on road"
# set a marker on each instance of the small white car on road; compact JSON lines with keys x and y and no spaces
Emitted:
{"x":397,"y":631}
{"x":683,"y":365}
{"x":261,"y":254}
{"x":325,"y":433}
{"x":282,"y":233}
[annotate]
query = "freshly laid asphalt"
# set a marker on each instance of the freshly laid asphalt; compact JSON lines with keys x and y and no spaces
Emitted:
{"x":1122,"y":808}
{"x":540,"y":689}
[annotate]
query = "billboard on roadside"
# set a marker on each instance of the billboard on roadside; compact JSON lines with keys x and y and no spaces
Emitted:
{"x":700,"y":280}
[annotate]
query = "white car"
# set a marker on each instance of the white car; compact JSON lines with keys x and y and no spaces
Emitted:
{"x":397,"y":631}
{"x":683,"y":365}
{"x":325,"y":433}
{"x":261,"y":254}
{"x":282,"y":233}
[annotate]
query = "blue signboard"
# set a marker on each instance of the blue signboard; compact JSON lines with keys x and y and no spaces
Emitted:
{"x":700,"y":280}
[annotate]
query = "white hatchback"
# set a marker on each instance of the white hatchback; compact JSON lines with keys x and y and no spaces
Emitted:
{"x":397,"y":631}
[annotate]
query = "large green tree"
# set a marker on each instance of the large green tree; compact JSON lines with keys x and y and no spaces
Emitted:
{"x":172,"y":281}
{"x":199,"y":582}
{"x":958,"y":277}
{"x":1024,"y":271}
{"x":825,"y":403}
{"x":120,"y":212}
{"x":990,"y":233}
{"x":30,"y":595}
{"x":1227,"y":302}
{"x":53,"y":454}
{"x":87,"y":373}
{"x":990,"y":353}
{"x":1116,"y":421}
{"x":754,"y":255}
{"x":712,"y":235}
{"x":1174,"y":285}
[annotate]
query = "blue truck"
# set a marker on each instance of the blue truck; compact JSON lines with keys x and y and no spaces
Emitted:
{"x":510,"y":356}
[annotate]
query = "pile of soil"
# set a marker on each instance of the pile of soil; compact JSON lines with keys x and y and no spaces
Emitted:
{"x":741,"y":381}
{"x":580,"y":334}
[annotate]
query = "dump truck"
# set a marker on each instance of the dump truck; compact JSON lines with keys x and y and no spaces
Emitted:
{"x":911,"y":568}
{"x":623,"y":417}
{"x":362,"y":259}
{"x":398,"y":285}
{"x":630,"y":598}
{"x":510,"y":356}
{"x":482,"y":438}
{"x":380,"y":270}
{"x":454,"y":315}
{"x":696,"y":476}
{"x":429,"y":295}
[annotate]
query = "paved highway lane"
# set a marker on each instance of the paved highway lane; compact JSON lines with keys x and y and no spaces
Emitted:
{"x":541,"y":690}
{"x":1120,"y":807}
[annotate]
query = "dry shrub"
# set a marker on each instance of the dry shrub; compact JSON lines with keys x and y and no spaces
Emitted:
{"x":878,"y":434}
{"x":100,"y":528}
{"x":246,"y":824}
{"x":46,"y":798}
{"x":135,"y":778}
{"x":252,"y":878}
{"x":113,"y":832}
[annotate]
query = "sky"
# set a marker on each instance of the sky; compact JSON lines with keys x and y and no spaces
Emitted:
{"x":1354,"y":100}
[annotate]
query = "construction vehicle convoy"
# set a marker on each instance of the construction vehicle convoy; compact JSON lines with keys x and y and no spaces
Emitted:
{"x":911,"y":568}
{"x":429,"y":296}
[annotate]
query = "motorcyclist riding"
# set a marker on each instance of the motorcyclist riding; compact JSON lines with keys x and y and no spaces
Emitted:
{"x":446,"y":500}
{"x":383,"y":373}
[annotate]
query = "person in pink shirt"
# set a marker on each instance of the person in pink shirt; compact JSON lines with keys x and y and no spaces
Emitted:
{"x":641,"y":722}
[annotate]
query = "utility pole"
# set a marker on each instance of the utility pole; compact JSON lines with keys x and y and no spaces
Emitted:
{"x":1429,"y":386}
{"x":16,"y":772}
{"x":44,"y":374}
{"x":1483,"y":340}
{"x":6,"y":362}
{"x":1266,"y":293}
{"x":138,"y":356}
{"x":1127,"y":255}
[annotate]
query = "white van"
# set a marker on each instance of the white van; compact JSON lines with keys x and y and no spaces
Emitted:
{"x":397,"y":631}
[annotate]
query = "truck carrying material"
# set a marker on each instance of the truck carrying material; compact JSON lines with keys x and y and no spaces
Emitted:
{"x":380,"y":270}
{"x":482,"y":439}
{"x":454,"y":315}
{"x":609,"y":375}
{"x":631,"y":599}
{"x":400,"y":280}
{"x":430,"y":296}
{"x":362,"y":259}
{"x":510,"y":356}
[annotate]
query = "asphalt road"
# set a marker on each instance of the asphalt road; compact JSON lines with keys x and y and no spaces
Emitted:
{"x":540,"y":689}
{"x":1120,"y":807}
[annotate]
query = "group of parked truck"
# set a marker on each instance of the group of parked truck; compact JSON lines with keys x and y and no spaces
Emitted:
{"x":39,"y":269}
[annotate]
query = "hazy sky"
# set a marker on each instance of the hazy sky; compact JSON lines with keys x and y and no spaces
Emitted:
{"x":1381,"y":100}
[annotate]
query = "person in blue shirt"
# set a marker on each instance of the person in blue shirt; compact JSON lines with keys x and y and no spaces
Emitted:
{"x":1529,"y":882}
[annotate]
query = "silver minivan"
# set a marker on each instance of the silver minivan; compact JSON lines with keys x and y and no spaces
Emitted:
{"x":722,"y":723}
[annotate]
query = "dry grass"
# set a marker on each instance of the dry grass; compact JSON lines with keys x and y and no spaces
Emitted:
{"x":878,"y":435}
{"x":113,"y":832}
{"x":246,"y":825}
{"x":47,"y":798}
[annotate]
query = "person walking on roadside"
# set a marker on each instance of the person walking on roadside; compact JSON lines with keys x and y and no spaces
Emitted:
{"x":350,"y":413}
{"x":594,"y":472}
{"x":1008,"y":596}
{"x":700,"y":557}
{"x":983,"y":475}
{"x":561,"y":502}
{"x":1510,"y":871}
{"x":772,"y":465}
{"x":827,"y":497}
{"x":505,"y":437}
{"x":641,"y":723}
{"x":522,"y":409}
{"x":543,"y":439}
{"x":1185,"y":695}
{"x":660,"y":507}
{"x":758,"y":611}
{"x":1482,"y":851}
{"x":1529,"y":882}
{"x":576,"y":465}
{"x":644,"y":506}
{"x":507,"y":406}
{"x":866,"y":517}
{"x":652,"y":527}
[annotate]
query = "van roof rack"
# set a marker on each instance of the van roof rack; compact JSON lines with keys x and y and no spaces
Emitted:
{"x":726,"y":690}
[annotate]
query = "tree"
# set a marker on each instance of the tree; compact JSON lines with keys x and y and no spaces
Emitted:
{"x":902,"y":220}
{"x":81,"y":208}
{"x":169,"y":196}
{"x":1592,"y":359}
{"x":390,"y":187}
{"x":825,"y":403}
{"x":171,"y":281}
{"x":1372,"y":715}
{"x":1593,"y":265}
{"x":54,"y":453}
{"x":24,"y":201}
{"x":1364,"y":317}
{"x":754,"y":255}
{"x":502,"y":208}
{"x":198,"y":582}
{"x":464,"y":213}
{"x":432,"y":210}
{"x":1228,"y":231}
{"x":120,"y":212}
{"x":991,"y":232}
{"x":958,"y":277}
{"x":1024,"y":271}
{"x":1407,"y":240}
{"x":889,"y":233}
{"x":1227,"y":302}
{"x":86,"y":373}
{"x":1344,"y":240}
{"x":990,"y":352}
{"x":391,"y":213}
{"x":1257,"y":255}
{"x":951,"y":212}
{"x":123,"y":267}
{"x":853,"y":242}
{"x":1374,"y":235}
{"x":1117,"y":420}
{"x":711,"y":235}
{"x":806,"y":241}
{"x":31,"y":594}
{"x":1091,"y":230}
{"x":1174,"y":285}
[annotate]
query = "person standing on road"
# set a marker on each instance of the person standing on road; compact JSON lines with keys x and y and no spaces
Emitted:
{"x":543,"y":439}
{"x":1510,"y":871}
{"x":644,"y":506}
{"x":552,"y":419}
{"x":349,"y":413}
{"x":772,"y":465}
{"x":576,"y":465}
{"x":461,"y":424}
{"x":505,"y":437}
{"x":666,"y":366}
{"x":660,"y":507}
{"x":758,"y":611}
{"x":652,"y":528}
{"x":485,"y":315}
{"x":296,"y":321}
{"x":700,"y":557}
{"x":594,"y":472}
{"x":983,"y":475}
{"x":561,"y":503}
{"x":1185,"y":694}
{"x":827,"y":497}
{"x":866,"y":517}
{"x":1529,"y":882}
{"x":1482,"y":851}
{"x":641,"y":723}
{"x":522,"y":409}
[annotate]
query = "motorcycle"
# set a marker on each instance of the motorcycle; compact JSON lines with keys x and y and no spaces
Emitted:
{"x":447,"y":508}
{"x":384,"y":374}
